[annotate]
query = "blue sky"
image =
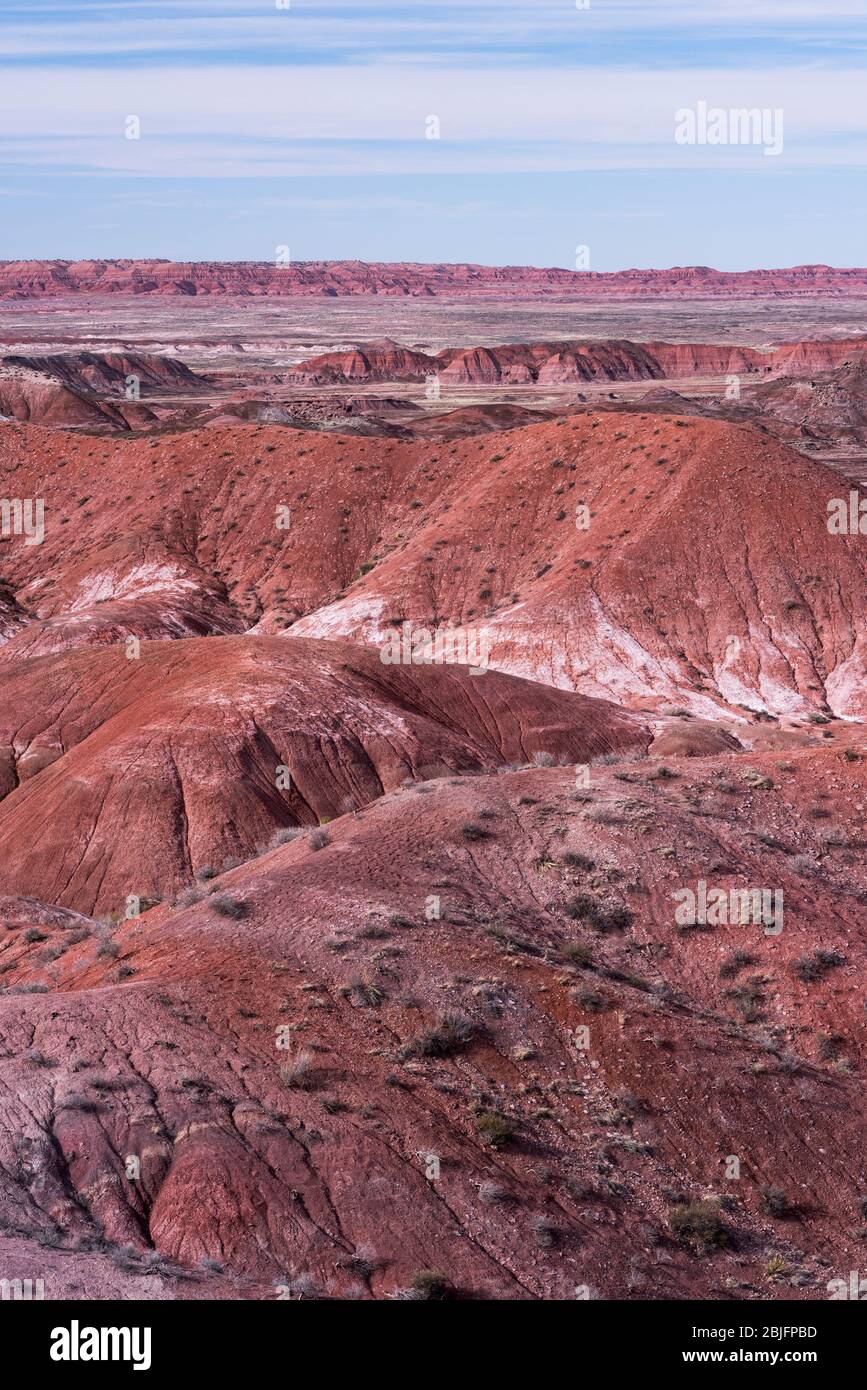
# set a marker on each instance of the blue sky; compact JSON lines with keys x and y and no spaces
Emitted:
{"x":306,"y":124}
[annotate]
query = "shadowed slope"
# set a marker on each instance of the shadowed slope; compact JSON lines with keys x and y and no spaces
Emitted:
{"x":129,"y":777}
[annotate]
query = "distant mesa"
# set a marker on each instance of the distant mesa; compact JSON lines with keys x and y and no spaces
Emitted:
{"x":20,"y":280}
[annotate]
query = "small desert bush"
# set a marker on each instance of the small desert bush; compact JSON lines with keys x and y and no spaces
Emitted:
{"x":606,"y":815}
{"x":830,"y":1046}
{"x":698,"y":1221}
{"x":735,"y":963}
{"x":362,"y":992}
{"x":299,"y":1071}
{"x":545,"y":1232}
{"x":227,"y":906}
{"x":748,"y":998}
{"x":452,"y":1032}
{"x":578,"y":861}
{"x":577,"y":953}
{"x":775,"y":1202}
{"x":473,"y":832}
{"x":814,"y":967}
{"x":492,"y":1194}
{"x":495,"y":1128}
{"x":283,"y":837}
{"x":77,"y":1102}
{"x":429,"y":1285}
{"x":590,"y":999}
{"x":603,"y":919}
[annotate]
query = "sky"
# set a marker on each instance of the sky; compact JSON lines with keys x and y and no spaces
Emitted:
{"x":542,"y":133}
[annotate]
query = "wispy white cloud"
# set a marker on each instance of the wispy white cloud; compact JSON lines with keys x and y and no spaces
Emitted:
{"x":237,"y":121}
{"x":406,"y":30}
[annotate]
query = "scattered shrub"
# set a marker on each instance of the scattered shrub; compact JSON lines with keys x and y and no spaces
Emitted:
{"x":430,"y":1285}
{"x":452,"y":1033}
{"x":748,"y":998}
{"x":491,"y":1193}
{"x":816,"y":966}
{"x":495,"y":1128}
{"x":363,"y":993}
{"x":545,"y":1232}
{"x":590,"y":999}
{"x":830,"y":1046}
{"x":698,"y":1221}
{"x":77,"y":1102}
{"x":282,"y":837}
{"x":735,"y":963}
{"x":299,"y":1071}
{"x":578,"y":861}
{"x":473,"y":832}
{"x":578,"y":954}
{"x":775,"y":1202}
{"x":227,"y":906}
{"x":587,"y":909}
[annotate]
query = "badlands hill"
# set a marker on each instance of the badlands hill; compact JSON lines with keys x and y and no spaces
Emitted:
{"x":87,"y":390}
{"x":456,"y":1046}
{"x":373,"y":969}
{"x":126,"y":390}
{"x":298,"y":729}
{"x":20,"y":280}
{"x":828,"y":405}
{"x":649,"y":559}
{"x":574,"y":361}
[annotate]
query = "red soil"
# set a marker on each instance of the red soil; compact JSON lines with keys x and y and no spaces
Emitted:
{"x":739,"y":607}
{"x":288,"y":1041}
{"x":133,"y":775}
{"x":160,"y":1039}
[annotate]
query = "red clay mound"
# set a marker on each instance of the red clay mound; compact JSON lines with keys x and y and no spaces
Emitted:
{"x":69,"y":390}
{"x":107,"y":371}
{"x":42,"y":400}
{"x":473,"y":420}
{"x":689,"y":585}
{"x":131,"y":776}
{"x":574,"y":362}
{"x":483,"y":1053}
